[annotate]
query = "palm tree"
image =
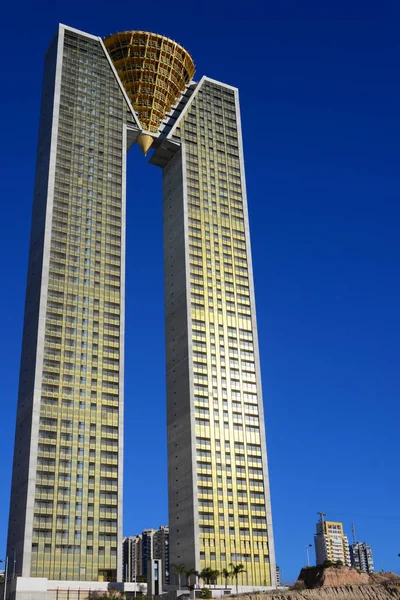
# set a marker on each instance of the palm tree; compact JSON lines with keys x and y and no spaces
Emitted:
{"x":214,"y":576}
{"x":179,"y":570}
{"x":206,"y":574}
{"x":226,"y":574}
{"x":189,"y":574}
{"x":236,"y":570}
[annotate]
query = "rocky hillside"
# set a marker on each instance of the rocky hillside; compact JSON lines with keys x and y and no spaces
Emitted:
{"x":317,"y":577}
{"x":337,"y":583}
{"x":348,"y":592}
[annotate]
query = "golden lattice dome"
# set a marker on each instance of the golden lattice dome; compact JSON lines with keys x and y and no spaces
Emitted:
{"x":154,"y":71}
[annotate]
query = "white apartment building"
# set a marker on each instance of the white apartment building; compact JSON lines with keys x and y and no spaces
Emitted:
{"x":331,"y":543}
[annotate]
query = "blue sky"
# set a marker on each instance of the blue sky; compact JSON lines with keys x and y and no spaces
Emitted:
{"x":320,"y":95}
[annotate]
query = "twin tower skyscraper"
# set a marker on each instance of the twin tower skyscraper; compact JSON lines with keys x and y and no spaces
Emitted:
{"x":99,"y":98}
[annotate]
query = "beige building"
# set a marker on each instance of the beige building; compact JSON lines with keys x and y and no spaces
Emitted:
{"x":331,"y":543}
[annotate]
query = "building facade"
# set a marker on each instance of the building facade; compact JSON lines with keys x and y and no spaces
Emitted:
{"x":132,"y":567}
{"x":331,"y":544}
{"x":147,"y":549}
{"x":161,"y":551}
{"x":361,"y":557}
{"x":151,"y":544}
{"x":66,"y":500}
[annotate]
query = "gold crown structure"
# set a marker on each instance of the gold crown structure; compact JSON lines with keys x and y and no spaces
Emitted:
{"x":154,"y":71}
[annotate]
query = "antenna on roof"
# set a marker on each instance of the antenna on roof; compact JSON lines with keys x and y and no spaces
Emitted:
{"x":321,"y":516}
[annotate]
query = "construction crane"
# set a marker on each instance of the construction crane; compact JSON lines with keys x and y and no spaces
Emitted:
{"x":353,"y":530}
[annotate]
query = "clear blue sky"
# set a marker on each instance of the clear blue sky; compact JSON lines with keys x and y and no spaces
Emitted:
{"x":320,"y":96}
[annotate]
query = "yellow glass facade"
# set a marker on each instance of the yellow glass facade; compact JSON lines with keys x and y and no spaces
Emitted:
{"x":76,"y":500}
{"x":65,"y":523}
{"x":226,"y":504}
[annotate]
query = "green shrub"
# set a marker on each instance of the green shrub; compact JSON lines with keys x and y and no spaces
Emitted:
{"x":327,"y":564}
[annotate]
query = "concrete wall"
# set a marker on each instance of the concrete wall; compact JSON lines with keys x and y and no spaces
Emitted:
{"x":40,"y":588}
{"x":179,"y":406}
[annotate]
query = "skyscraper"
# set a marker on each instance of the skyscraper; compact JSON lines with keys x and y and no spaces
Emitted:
{"x":66,"y":500}
{"x":219,"y":504}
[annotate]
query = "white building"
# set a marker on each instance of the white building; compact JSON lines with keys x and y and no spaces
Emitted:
{"x":361,"y":557}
